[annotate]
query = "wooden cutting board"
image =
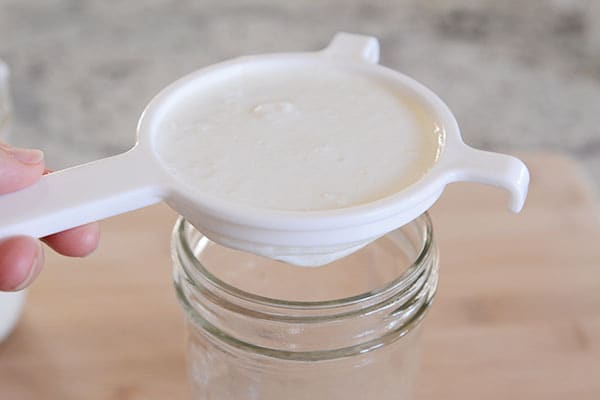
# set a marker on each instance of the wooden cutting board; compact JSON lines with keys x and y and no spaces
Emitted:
{"x":517,"y":314}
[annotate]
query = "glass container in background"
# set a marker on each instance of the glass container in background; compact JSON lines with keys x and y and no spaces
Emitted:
{"x":11,"y":303}
{"x":5,"y":102}
{"x":262,"y":329}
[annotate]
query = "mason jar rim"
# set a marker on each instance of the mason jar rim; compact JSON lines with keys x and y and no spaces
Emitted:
{"x":404,"y":299}
{"x":406,"y":278}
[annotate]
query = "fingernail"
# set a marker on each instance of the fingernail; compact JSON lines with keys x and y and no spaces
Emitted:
{"x":27,"y":156}
{"x":36,"y":266}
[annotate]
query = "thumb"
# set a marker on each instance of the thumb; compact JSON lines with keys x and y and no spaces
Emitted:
{"x":19,"y":167}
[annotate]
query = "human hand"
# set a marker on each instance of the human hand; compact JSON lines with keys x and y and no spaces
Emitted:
{"x":22,"y":257}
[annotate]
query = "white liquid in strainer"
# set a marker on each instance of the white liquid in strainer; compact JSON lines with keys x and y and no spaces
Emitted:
{"x":298,"y":138}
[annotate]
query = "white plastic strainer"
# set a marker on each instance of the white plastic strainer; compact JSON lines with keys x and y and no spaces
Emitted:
{"x":138,"y":178}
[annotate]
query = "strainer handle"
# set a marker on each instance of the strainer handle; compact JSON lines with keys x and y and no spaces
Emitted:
{"x":504,"y":171}
{"x":352,"y":46}
{"x":78,"y":195}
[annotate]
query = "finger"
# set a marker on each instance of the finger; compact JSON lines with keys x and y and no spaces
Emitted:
{"x":20,"y":167}
{"x":21,"y":260}
{"x":75,"y":242}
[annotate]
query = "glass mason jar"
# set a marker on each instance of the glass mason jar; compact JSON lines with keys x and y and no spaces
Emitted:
{"x":5,"y":102}
{"x":11,"y":303}
{"x":262,"y":329}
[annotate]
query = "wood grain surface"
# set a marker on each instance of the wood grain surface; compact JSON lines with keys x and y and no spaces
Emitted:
{"x":517,"y":314}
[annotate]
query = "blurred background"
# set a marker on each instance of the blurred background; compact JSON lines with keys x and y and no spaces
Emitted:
{"x":519,"y":76}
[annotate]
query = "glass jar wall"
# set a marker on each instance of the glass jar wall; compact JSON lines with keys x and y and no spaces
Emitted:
{"x":263,"y":329}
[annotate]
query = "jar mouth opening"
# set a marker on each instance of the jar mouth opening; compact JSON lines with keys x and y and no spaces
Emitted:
{"x":404,"y":280}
